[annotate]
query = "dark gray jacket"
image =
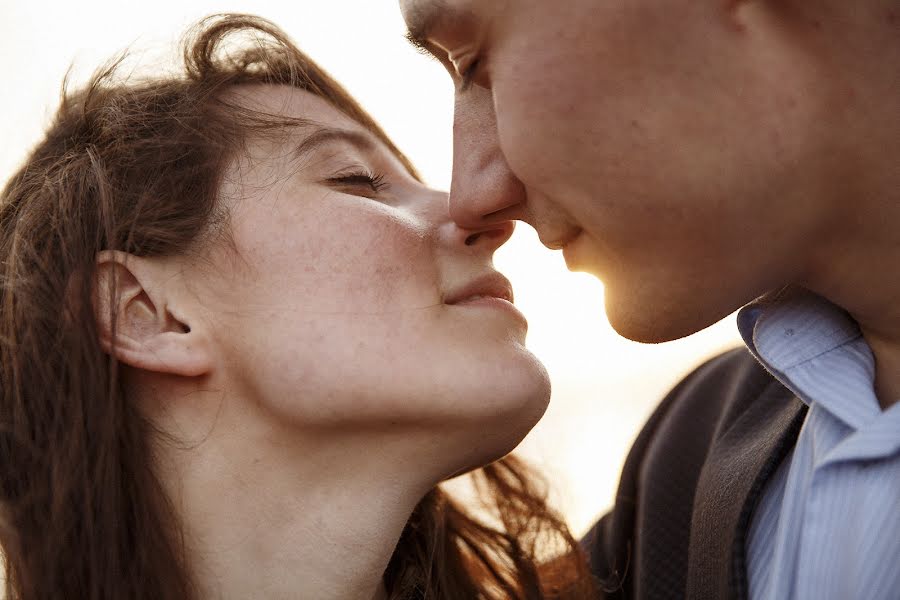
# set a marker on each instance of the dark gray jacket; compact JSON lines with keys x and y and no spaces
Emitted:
{"x":691,"y":482}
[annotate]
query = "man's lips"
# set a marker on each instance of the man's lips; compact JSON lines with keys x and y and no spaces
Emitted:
{"x":560,"y":242}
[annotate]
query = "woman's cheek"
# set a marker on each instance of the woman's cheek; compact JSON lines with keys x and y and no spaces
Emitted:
{"x":369,"y":260}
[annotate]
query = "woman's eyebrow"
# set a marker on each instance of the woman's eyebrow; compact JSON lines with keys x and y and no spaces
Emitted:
{"x":324,"y":135}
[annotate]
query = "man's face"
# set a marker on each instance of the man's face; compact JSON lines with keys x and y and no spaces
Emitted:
{"x":674,"y":148}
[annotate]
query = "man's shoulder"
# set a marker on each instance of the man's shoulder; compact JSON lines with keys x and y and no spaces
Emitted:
{"x":641,"y":547}
{"x":707,"y":400}
{"x":734,"y":375}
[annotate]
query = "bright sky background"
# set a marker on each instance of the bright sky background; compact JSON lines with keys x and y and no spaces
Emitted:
{"x":604,"y":386}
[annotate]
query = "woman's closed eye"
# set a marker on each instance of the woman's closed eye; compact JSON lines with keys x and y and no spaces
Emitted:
{"x":372,"y":183}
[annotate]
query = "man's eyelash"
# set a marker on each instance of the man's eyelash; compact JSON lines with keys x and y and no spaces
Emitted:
{"x":468,"y":77}
{"x":374,"y":181}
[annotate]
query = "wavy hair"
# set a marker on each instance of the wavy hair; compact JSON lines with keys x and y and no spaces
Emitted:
{"x":136,"y":165}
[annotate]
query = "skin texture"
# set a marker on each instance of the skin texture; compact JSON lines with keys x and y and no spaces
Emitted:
{"x":313,"y":378}
{"x":693,"y":155}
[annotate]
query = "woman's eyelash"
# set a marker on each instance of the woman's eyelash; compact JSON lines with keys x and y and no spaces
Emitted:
{"x":373,"y":181}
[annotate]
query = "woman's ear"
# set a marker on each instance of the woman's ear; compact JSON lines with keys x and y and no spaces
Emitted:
{"x":138,"y":320}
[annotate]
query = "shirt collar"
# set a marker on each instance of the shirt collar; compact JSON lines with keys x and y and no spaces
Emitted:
{"x":815,"y":349}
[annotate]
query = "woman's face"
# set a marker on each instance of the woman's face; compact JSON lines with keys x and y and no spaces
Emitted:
{"x":349,"y":299}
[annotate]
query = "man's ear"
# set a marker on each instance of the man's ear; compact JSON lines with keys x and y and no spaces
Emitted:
{"x":138,"y":321}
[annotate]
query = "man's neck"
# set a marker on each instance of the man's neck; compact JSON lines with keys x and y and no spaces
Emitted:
{"x":858,"y":263}
{"x":859,"y":270}
{"x":887,"y":370}
{"x":874,"y":301}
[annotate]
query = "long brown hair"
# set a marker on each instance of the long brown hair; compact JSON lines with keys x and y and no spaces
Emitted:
{"x":136,"y":165}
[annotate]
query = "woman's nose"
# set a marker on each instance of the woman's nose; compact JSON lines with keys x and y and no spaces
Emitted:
{"x":483,"y":190}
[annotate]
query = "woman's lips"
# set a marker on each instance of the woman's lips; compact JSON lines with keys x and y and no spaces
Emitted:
{"x":492,"y":291}
{"x":493,"y":303}
{"x":490,"y":285}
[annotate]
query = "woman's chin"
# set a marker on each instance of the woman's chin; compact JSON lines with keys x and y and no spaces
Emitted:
{"x":527,"y":395}
{"x":509,"y":410}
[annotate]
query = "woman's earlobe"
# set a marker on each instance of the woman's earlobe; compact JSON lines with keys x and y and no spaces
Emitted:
{"x":171,"y":352}
{"x":135,"y":322}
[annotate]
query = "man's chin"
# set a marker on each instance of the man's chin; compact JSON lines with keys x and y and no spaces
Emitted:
{"x":654,"y":322}
{"x":645,"y":305}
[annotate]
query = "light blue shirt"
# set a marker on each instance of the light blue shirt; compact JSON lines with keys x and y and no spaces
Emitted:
{"x":828,"y":524}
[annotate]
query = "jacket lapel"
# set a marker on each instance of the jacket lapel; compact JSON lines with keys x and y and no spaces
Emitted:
{"x":735,"y":472}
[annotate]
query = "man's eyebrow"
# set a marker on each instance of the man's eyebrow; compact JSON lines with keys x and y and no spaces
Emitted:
{"x":422,"y":20}
{"x":324,"y":135}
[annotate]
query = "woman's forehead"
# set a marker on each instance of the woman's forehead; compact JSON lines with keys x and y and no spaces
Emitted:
{"x":284,"y":101}
{"x":307,"y":115}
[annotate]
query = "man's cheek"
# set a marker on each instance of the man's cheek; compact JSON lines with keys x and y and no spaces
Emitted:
{"x":524,"y":128}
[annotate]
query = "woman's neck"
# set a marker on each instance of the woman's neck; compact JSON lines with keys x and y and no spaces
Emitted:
{"x":314,"y":520}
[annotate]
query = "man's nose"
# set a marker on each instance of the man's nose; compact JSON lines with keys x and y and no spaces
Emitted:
{"x":487,"y":238}
{"x":483,"y":190}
